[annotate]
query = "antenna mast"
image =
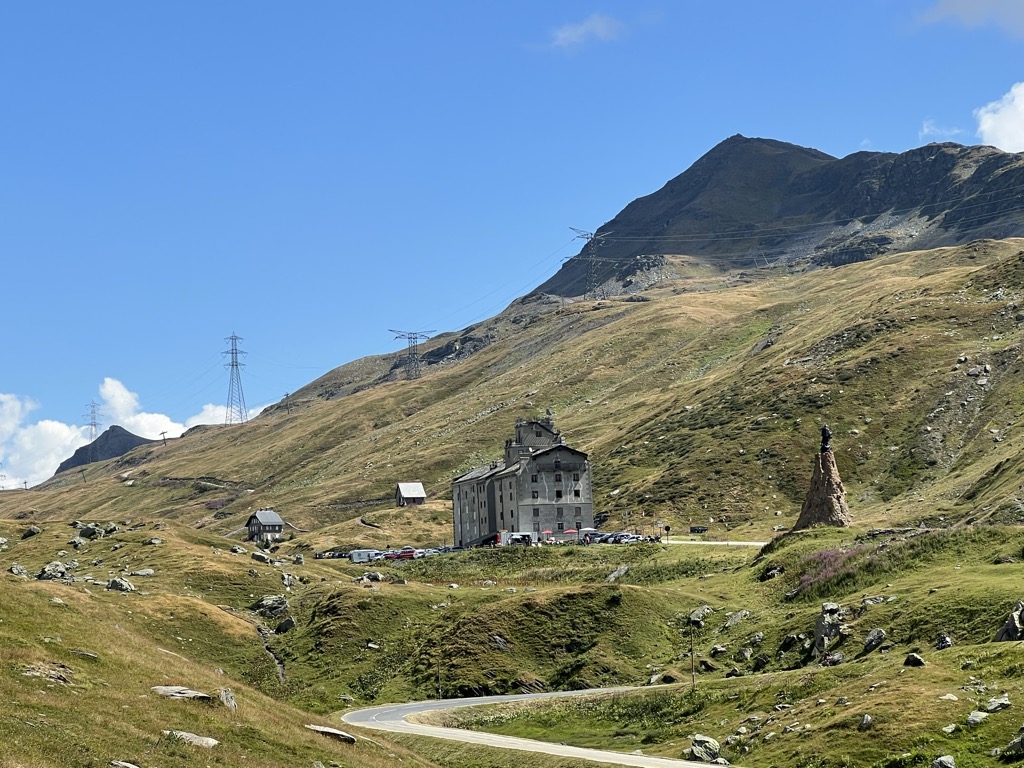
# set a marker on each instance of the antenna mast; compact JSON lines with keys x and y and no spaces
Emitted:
{"x":236,"y":413}
{"x":412,"y":358}
{"x":593,"y":241}
{"x":93,"y":417}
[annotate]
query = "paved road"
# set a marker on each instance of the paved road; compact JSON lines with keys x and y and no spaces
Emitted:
{"x":392,"y":717}
{"x":715,"y":543}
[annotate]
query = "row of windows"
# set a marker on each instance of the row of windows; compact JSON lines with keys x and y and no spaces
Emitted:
{"x":576,"y":494}
{"x":576,"y":511}
{"x":536,"y":527}
{"x":558,"y":478}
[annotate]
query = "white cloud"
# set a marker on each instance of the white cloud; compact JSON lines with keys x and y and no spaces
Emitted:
{"x":1001,"y":123}
{"x":932,"y":132}
{"x":596,"y":27}
{"x":1007,"y":14}
{"x":31,"y":452}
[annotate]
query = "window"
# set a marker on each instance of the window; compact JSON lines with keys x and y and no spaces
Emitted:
{"x":536,"y":511}
{"x":575,"y":477}
{"x":558,"y":512}
{"x":558,"y":477}
{"x":558,"y":494}
{"x":558,"y":463}
{"x":510,"y":495}
{"x":536,"y":494}
{"x":576,"y":493}
{"x":533,"y":478}
{"x":561,"y":526}
{"x":510,"y":485}
{"x":577,"y":511}
{"x":538,"y":433}
{"x":536,"y":527}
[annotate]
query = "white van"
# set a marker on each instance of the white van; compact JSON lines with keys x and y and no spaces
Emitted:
{"x":363,"y":555}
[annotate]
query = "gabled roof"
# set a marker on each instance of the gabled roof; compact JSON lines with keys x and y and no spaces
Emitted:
{"x":266,"y":517}
{"x":412,"y":490}
{"x":479,"y":473}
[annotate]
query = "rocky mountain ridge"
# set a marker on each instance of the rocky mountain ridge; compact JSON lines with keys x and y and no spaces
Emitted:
{"x":755,"y":202}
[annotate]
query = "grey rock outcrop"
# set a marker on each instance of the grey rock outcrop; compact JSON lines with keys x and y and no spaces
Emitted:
{"x":874,"y":639}
{"x":18,"y":570}
{"x":825,"y":503}
{"x":827,"y":627}
{"x":32,"y":530}
{"x":271,"y":606}
{"x":1013,"y":628}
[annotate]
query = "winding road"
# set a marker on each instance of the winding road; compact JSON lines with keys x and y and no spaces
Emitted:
{"x":393,"y":718}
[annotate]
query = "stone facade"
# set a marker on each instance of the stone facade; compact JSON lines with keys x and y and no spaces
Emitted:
{"x":541,"y":484}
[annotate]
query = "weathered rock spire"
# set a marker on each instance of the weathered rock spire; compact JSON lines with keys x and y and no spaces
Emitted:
{"x":826,"y":500}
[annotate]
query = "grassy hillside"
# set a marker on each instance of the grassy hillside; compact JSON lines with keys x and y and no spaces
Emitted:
{"x":704,"y":400}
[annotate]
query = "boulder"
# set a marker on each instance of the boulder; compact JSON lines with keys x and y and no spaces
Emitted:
{"x":142,"y":572}
{"x":18,"y":570}
{"x":913,"y":660}
{"x":180,"y":692}
{"x":945,"y":761}
{"x":705,"y":748}
{"x":262,"y":557}
{"x":153,"y":542}
{"x":193,"y":739}
{"x":998,"y":703}
{"x":333,"y":733}
{"x":120,"y":584}
{"x":287,"y":624}
{"x":238,"y":549}
{"x":53,"y":571}
{"x":32,"y":530}
{"x":976,"y":717}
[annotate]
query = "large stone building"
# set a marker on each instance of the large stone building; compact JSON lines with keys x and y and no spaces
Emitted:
{"x":541,"y":487}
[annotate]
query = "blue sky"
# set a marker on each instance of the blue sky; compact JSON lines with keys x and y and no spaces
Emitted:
{"x":309,"y":175}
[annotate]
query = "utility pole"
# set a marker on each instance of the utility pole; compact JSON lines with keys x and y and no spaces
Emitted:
{"x":236,"y":413}
{"x":287,"y":402}
{"x":164,"y":436}
{"x":412,"y":359}
{"x":590,"y":250}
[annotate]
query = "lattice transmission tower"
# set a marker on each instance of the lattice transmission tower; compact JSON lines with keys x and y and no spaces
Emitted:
{"x":590,"y":255}
{"x":412,"y":358}
{"x":93,"y":423}
{"x":236,"y":413}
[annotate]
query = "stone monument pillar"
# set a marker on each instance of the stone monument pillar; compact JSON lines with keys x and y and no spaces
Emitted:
{"x":826,"y":500}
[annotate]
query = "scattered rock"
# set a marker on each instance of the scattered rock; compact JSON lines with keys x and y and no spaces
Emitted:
{"x":122,"y":764}
{"x":287,"y":624}
{"x":238,"y":549}
{"x":142,"y":572}
{"x":193,"y":739}
{"x":951,"y":728}
{"x":32,"y":530}
{"x":618,"y":573}
{"x":946,"y":761}
{"x":155,"y":541}
{"x":996,"y":704}
{"x":334,"y":733}
{"x":944,"y":642}
{"x":227,"y":698}
{"x":976,"y":717}
{"x":913,"y":660}
{"x":865,"y":722}
{"x":18,"y":570}
{"x":299,"y":559}
{"x":261,"y":557}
